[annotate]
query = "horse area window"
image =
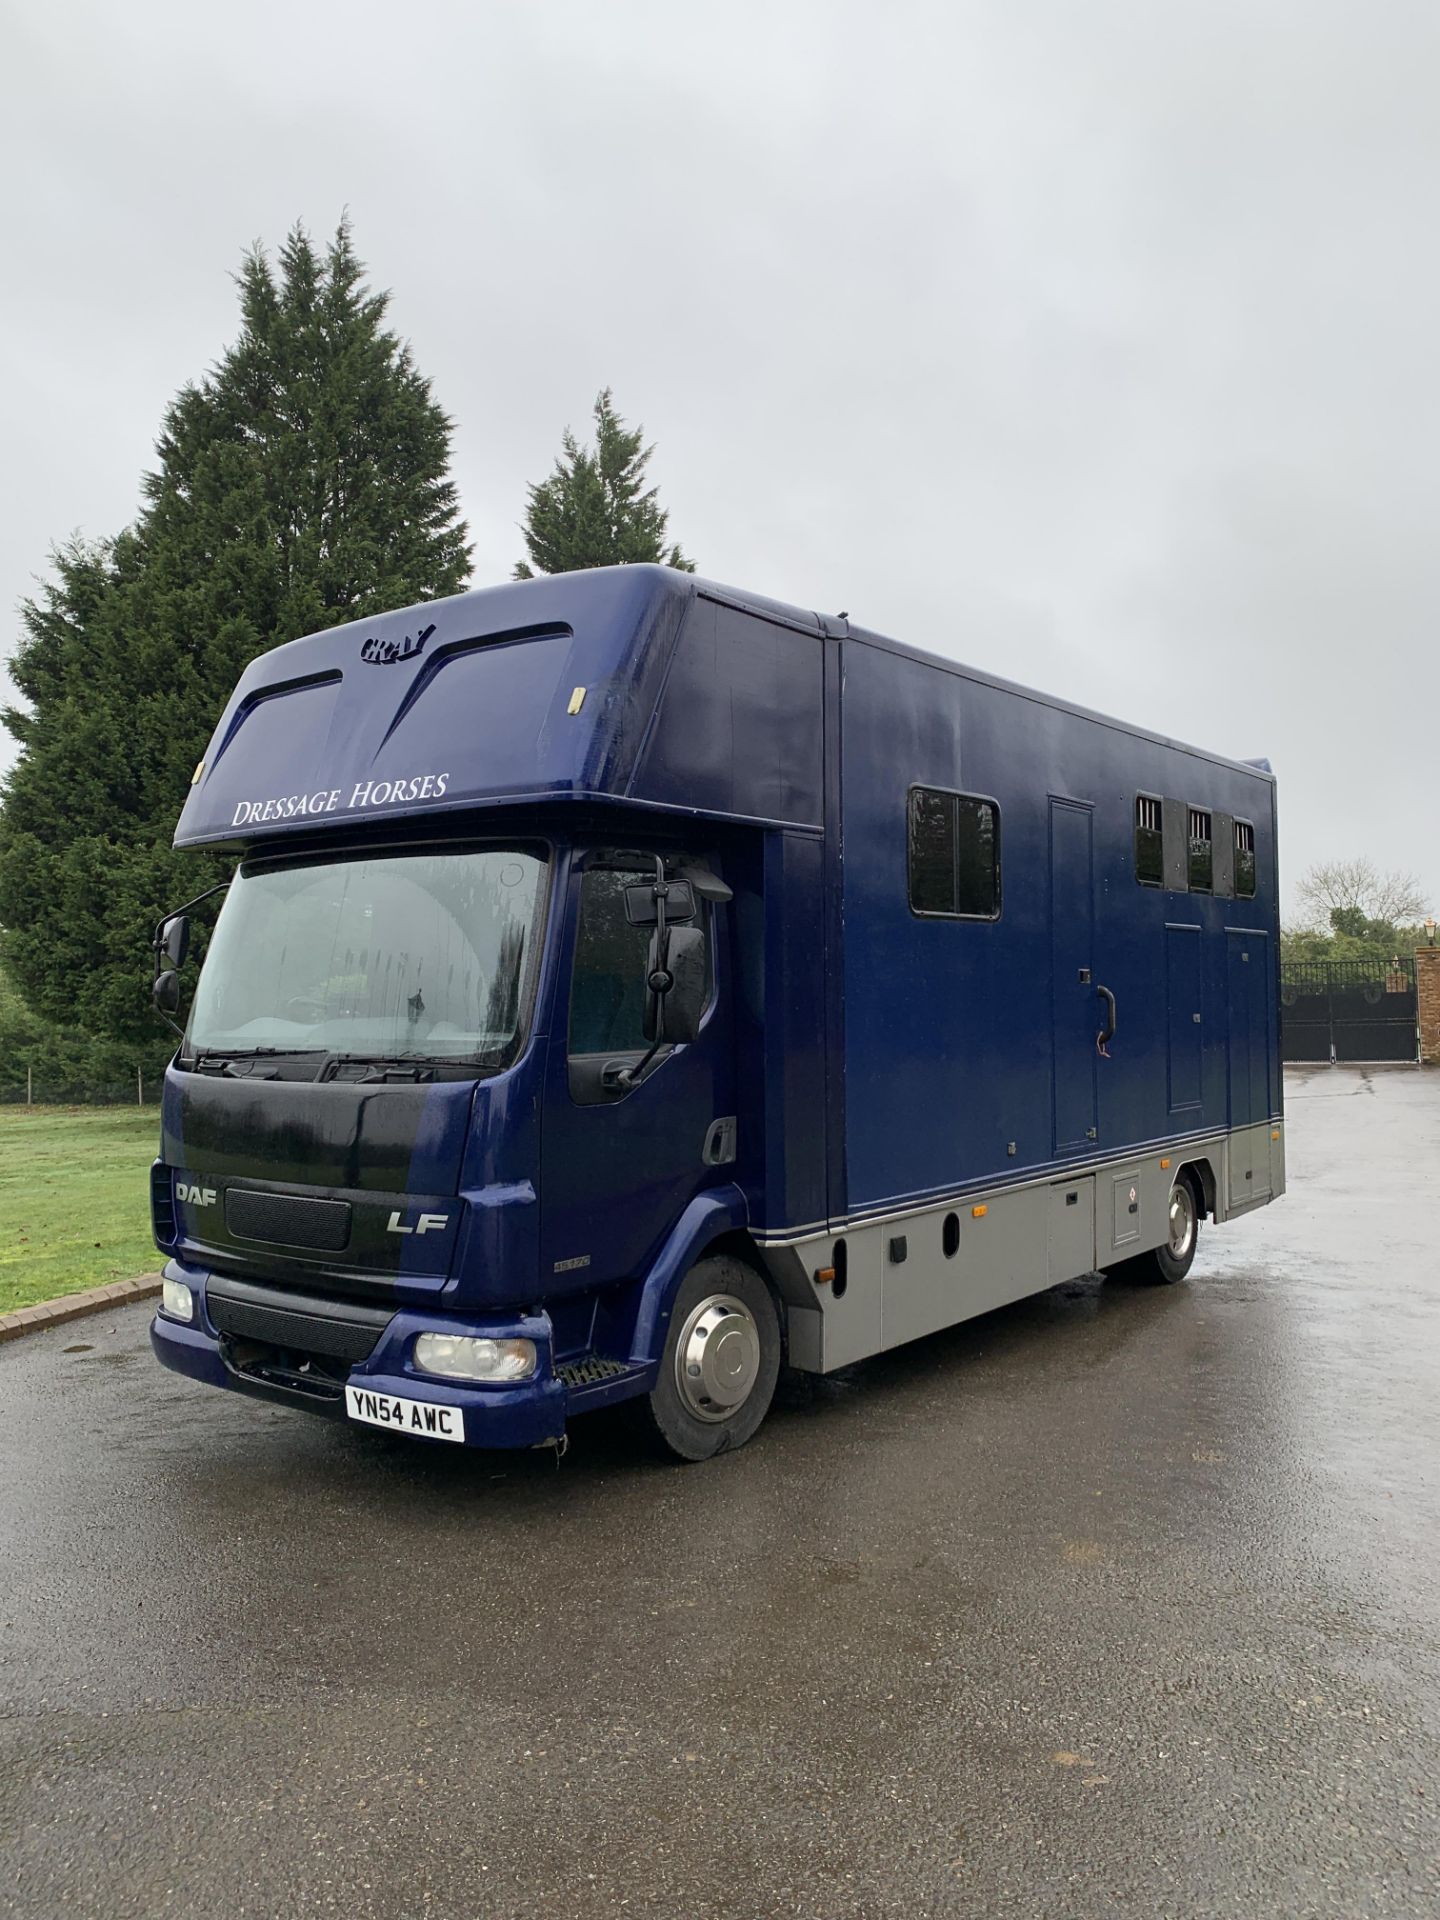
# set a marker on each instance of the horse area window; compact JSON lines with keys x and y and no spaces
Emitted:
{"x":1244,"y":860}
{"x":1202,"y":852}
{"x":1149,"y":840}
{"x":954,"y":855}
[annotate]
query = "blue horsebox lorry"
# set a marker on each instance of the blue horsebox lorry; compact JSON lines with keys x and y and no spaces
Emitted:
{"x":627,"y":986}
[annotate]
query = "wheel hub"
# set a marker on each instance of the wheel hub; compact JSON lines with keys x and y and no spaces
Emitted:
{"x":1182,"y":1221}
{"x":717,"y":1358}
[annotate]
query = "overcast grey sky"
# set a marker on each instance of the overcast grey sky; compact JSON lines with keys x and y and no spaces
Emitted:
{"x":1094,"y":344}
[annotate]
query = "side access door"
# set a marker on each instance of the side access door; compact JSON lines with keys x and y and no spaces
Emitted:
{"x":1249,"y":971}
{"x":1074,"y":1004}
{"x":619,"y":1164}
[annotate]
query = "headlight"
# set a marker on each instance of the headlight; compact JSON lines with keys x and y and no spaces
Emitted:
{"x":463,"y":1356}
{"x":177,"y":1301}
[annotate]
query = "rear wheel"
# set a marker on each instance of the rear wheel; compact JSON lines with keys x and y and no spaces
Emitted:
{"x":721,"y":1361}
{"x":1173,"y":1259}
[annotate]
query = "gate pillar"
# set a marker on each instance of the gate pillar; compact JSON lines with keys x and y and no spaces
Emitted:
{"x":1427,"y":986}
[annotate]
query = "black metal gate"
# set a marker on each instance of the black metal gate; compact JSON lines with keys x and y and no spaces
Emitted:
{"x":1348,"y":1010}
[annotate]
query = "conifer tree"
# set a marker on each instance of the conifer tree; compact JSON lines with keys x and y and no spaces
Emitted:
{"x":595,"y":510}
{"x":301,"y":484}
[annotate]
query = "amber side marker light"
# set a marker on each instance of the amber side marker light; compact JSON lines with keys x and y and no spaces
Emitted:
{"x":1275,"y":1133}
{"x":1164,"y":1166}
{"x":824,"y":1276}
{"x":978,"y":1213}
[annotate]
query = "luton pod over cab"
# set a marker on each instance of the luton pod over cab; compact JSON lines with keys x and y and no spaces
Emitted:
{"x":627,"y":985}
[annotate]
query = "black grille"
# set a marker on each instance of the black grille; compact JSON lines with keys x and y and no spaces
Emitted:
{"x":288,"y":1220}
{"x":162,"y":1205}
{"x":294,"y":1321}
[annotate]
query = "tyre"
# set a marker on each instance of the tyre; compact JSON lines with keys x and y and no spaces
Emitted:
{"x":720,"y":1364}
{"x":1175,"y":1256}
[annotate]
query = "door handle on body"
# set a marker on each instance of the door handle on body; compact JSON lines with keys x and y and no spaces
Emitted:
{"x":1107,"y":1032}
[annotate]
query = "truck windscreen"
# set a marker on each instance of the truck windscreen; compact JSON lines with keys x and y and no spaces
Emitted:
{"x":415,"y":955}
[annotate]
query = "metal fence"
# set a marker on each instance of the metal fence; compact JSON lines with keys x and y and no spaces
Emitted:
{"x":1349,"y":1010}
{"x":37,"y":1089}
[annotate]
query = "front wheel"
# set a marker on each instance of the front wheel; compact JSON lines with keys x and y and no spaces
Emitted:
{"x":721,"y":1361}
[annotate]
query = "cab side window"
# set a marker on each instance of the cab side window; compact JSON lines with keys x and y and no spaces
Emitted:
{"x":607,"y":993}
{"x":607,"y":997}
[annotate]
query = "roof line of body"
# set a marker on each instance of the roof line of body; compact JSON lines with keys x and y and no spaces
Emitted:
{"x":825,"y":626}
{"x":840,"y":627}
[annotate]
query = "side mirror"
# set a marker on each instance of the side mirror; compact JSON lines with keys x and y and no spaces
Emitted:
{"x":673,"y":1011}
{"x":175,"y":939}
{"x":640,"y":903}
{"x":166,"y":991}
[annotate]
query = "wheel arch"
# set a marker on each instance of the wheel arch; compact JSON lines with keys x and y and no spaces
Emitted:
{"x":716,"y":1221}
{"x":1201,"y":1176}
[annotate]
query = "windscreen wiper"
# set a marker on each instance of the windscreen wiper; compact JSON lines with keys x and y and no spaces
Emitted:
{"x":382,"y":1066}
{"x":225,"y":1061}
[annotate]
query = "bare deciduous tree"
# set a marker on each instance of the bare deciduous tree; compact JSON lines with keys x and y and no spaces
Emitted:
{"x":1359,"y":884}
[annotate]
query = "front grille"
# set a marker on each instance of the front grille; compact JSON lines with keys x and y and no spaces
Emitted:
{"x":288,"y":1219}
{"x":295,"y":1322}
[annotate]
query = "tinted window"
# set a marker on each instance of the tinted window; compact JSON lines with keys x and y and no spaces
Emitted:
{"x":1202,"y":855}
{"x":932,"y":851}
{"x":607,"y":994}
{"x":954,"y":854}
{"x":1244,"y":860}
{"x":1149,"y":841}
{"x":607,"y":999}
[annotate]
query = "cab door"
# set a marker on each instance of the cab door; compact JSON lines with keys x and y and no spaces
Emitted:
{"x":619,"y":1165}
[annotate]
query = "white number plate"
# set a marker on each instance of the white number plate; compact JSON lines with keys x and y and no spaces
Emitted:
{"x":421,"y":1417}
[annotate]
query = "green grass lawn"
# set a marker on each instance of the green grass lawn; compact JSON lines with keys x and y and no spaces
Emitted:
{"x":74,"y":1199}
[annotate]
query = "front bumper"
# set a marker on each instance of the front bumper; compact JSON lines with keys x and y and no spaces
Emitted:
{"x":528,"y":1413}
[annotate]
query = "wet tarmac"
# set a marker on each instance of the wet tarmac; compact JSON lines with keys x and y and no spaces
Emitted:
{"x":1122,"y":1601}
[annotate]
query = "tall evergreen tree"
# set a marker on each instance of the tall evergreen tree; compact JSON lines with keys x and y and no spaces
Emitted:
{"x":302,"y":483}
{"x":595,"y":510}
